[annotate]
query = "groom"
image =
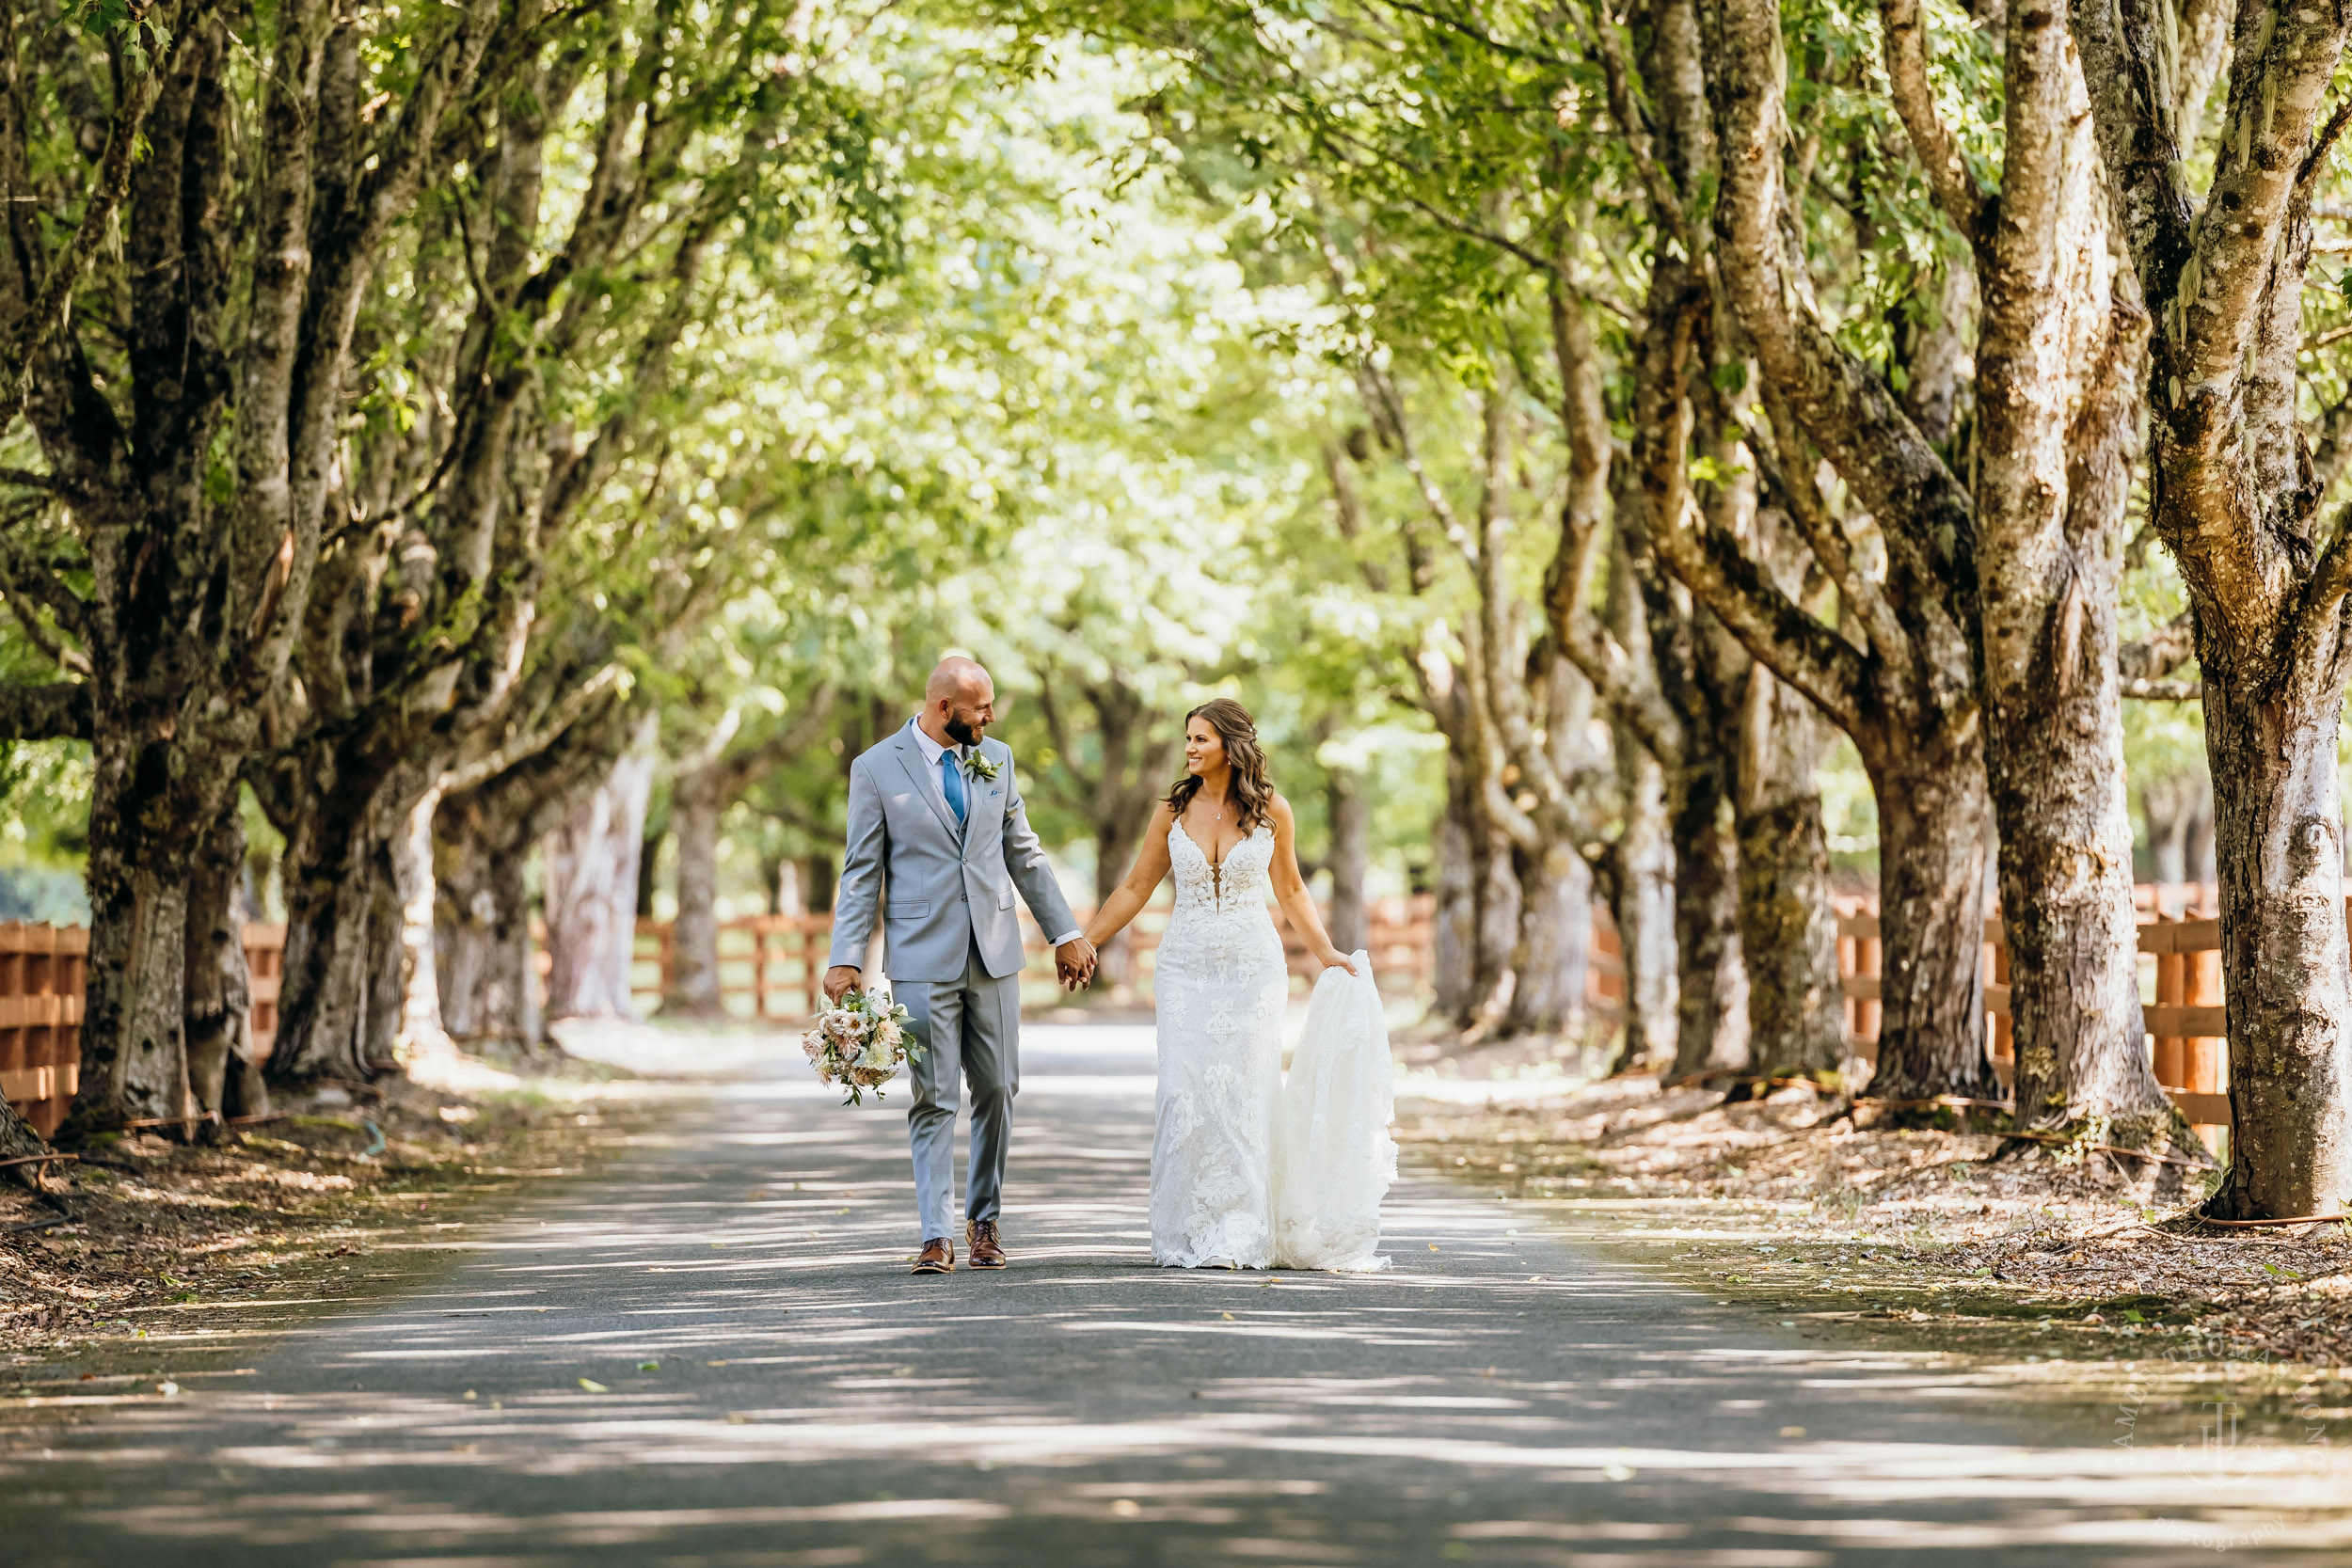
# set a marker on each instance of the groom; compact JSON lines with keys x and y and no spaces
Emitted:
{"x":936,"y":821}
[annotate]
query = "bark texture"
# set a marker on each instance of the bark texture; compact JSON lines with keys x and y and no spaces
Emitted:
{"x":589,"y":876}
{"x":1642,"y":902}
{"x":695,"y":805}
{"x":223,"y":1075}
{"x":1898,"y":676}
{"x":2233,"y":496}
{"x":709,"y":779}
{"x":2060,"y":362}
{"x":1787,"y":925}
{"x":197,"y":442}
{"x":1350,"y":814}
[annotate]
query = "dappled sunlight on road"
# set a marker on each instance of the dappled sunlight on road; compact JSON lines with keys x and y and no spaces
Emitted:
{"x":712,"y":1353}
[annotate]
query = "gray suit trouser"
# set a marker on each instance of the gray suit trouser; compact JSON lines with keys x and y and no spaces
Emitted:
{"x":969,"y":1029}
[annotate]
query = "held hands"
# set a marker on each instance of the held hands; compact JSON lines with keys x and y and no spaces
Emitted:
{"x":840,"y":980}
{"x":1074,"y":963}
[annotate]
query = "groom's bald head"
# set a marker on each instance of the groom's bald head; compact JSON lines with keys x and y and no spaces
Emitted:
{"x":959,"y":701}
{"x":959,"y":678}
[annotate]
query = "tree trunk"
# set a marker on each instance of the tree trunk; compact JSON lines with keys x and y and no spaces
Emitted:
{"x":2060,"y":361}
{"x":18,"y":1139}
{"x":1787,"y":925}
{"x":817,"y":883}
{"x":1933,"y":814}
{"x":142,"y":838}
{"x":1554,"y":954}
{"x":386,"y":1010}
{"x":466,"y":943}
{"x":589,"y":877}
{"x":1350,"y":813}
{"x":223,"y":1076}
{"x":695,"y":809}
{"x":337,"y":874}
{"x":1711,"y":983}
{"x":1115,"y":961}
{"x":1643,"y":906}
{"x":2285,"y":980}
{"x":2167,"y":805}
{"x":419,"y":1030}
{"x":1499,"y":906}
{"x":484,"y":945}
{"x":1455,"y":939}
{"x":648,"y":871}
{"x":484,"y":836}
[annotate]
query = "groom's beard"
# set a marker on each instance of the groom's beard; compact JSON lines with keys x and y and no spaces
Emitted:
{"x":963,"y":732}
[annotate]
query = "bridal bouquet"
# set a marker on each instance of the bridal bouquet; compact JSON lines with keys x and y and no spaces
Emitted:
{"x":859,"y":1043}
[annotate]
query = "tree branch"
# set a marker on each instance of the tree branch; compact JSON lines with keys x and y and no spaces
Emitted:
{"x":1057,"y":727}
{"x":2287,"y":58}
{"x":1956,"y":189}
{"x":71,"y":661}
{"x":1771,"y":625}
{"x":31,"y":332}
{"x":59,"y":710}
{"x":1664,"y":199}
{"x":2164,"y":649}
{"x":531,"y":742}
{"x":2164,"y":691}
{"x":739,"y":770}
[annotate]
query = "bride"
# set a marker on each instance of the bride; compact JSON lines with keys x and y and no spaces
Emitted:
{"x":1236,"y":1181}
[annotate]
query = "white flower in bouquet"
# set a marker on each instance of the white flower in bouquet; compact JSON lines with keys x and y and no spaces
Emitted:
{"x":859,"y":1043}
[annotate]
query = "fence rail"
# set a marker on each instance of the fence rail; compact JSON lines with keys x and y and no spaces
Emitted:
{"x":771,"y":967}
{"x":774,"y":966}
{"x":2182,"y":1007}
{"x":41,"y":971}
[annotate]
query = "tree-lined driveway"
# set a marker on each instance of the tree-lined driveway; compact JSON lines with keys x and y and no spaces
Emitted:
{"x":712,"y":1354}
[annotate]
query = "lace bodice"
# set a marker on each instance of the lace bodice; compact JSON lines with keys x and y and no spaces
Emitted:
{"x":1237,"y":886}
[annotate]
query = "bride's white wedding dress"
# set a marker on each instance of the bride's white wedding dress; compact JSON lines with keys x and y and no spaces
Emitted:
{"x":1247,"y":1171}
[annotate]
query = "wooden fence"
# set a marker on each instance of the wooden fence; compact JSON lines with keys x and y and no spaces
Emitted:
{"x":43,"y":971}
{"x":771,"y":968}
{"x":2180,"y":967}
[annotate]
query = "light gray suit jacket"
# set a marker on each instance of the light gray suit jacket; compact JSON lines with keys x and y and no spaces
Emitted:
{"x":949,"y":890}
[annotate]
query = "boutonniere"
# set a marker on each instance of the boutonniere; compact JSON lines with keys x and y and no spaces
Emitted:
{"x":981,"y":766}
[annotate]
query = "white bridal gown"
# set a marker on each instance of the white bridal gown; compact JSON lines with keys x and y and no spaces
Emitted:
{"x":1249,"y":1171}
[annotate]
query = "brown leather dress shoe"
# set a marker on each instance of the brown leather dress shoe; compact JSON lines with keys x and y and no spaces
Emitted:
{"x":987,"y":1251}
{"x":939,"y":1257}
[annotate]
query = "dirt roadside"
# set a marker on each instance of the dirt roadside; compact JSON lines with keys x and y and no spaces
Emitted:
{"x":171,"y":1260}
{"x":2061,"y":1274}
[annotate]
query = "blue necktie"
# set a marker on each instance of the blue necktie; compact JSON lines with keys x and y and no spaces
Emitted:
{"x":951,"y":780}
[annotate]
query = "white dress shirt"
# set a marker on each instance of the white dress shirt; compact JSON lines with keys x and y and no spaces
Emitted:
{"x":933,"y":751}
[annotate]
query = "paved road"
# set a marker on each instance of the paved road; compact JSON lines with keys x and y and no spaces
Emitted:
{"x":1504,"y":1396}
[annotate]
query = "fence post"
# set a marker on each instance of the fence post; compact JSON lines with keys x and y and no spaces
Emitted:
{"x":2170,"y":1069}
{"x":2004,"y":1021}
{"x":1849,"y":965}
{"x":2205,"y":1057}
{"x":1868,"y":960}
{"x":760,"y":970}
{"x":812,"y":977}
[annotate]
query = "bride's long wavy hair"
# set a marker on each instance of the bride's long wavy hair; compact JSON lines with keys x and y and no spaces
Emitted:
{"x":1248,"y":789}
